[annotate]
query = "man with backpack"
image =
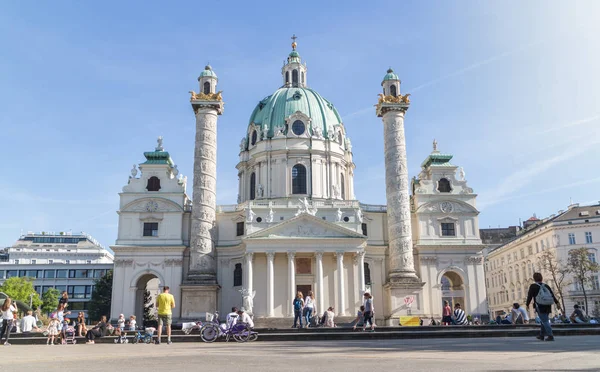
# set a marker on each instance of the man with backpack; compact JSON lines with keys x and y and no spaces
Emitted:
{"x":543,"y":298}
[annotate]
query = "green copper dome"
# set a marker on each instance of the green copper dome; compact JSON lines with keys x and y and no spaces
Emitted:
{"x":390,"y":75}
{"x":274,"y":109}
{"x":207,"y":72}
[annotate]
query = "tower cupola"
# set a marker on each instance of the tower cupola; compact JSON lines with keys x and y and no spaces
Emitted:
{"x":391,"y":84}
{"x":293,"y":71}
{"x":208,"y":80}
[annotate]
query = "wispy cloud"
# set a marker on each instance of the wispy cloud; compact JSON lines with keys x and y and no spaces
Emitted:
{"x":571,"y":124}
{"x":525,"y":176}
{"x":458,"y":72}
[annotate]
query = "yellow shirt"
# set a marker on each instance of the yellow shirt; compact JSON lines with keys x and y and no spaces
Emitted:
{"x":165,"y":302}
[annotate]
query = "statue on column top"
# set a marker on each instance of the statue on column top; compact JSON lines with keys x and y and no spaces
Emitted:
{"x":159,"y":140}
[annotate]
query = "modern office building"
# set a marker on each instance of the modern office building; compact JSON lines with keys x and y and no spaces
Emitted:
{"x":65,"y":261}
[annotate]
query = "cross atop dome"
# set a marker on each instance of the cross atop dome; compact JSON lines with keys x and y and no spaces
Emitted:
{"x":294,"y":44}
{"x":294,"y":71}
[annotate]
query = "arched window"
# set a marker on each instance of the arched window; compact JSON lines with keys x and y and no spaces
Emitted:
{"x":254,"y":138}
{"x":287,"y":77}
{"x":367,"y":274}
{"x":393,"y":90}
{"x":153,"y":184}
{"x":342,"y":188}
{"x":253,"y":186}
{"x":298,"y":179}
{"x":237,"y":275}
{"x":206,"y":87}
{"x":340,"y":138}
{"x":444,"y":185}
{"x":295,"y":77}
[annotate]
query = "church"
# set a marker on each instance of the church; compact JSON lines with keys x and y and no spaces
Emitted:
{"x":297,"y":225}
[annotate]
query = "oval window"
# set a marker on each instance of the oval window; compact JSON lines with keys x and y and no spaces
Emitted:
{"x":298,"y":127}
{"x":253,"y":141}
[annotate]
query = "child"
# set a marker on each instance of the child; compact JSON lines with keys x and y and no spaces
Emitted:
{"x":359,"y":317}
{"x":121,"y":323}
{"x":52,"y":329}
{"x":132,"y":323}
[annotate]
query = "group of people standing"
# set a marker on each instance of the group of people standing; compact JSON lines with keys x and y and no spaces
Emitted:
{"x":305,"y":309}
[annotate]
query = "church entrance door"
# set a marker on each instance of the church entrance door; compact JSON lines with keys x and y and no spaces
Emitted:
{"x":147,"y":289}
{"x":304,"y":288}
{"x":453,"y":289}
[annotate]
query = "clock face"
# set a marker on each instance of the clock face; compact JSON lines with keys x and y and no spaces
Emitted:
{"x":152,"y":206}
{"x":446,"y":207}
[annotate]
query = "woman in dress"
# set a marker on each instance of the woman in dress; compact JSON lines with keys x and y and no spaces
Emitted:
{"x":52,"y":330}
{"x":8,"y":310}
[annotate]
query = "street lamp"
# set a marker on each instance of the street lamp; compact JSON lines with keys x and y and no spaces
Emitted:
{"x":31,"y":300}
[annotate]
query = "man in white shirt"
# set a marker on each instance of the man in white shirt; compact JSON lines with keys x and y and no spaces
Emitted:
{"x":245,"y":318}
{"x":232,"y":317}
{"x":519,"y":314}
{"x":29,"y":323}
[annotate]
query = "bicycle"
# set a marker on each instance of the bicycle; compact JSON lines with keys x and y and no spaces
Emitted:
{"x":212,"y":330}
{"x":143,"y":338}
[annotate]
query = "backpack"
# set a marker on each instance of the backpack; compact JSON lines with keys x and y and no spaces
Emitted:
{"x":297,"y":304}
{"x":544,"y":296}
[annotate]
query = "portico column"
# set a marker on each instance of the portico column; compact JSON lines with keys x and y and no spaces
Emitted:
{"x":291,"y":281}
{"x":248,"y":256}
{"x":360,"y":262}
{"x":320,"y":295}
{"x":270,"y":283}
{"x":341,"y":286}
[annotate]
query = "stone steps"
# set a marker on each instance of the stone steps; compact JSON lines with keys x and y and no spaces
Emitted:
{"x":317,"y":334}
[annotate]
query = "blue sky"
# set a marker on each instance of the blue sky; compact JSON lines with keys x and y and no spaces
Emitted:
{"x":510,"y":88}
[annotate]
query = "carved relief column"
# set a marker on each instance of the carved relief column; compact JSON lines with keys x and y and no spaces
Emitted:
{"x":202,"y":255}
{"x":270,"y":284}
{"x":341,"y":286}
{"x":401,"y":266}
{"x":319,"y":264}
{"x":249,"y":274}
{"x":291,"y":281}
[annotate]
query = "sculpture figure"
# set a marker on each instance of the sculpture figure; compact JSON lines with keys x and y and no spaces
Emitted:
{"x":336,"y":192}
{"x":260,"y":190}
{"x":174,"y":170}
{"x":265,"y":132}
{"x":279,"y":131}
{"x":318,"y":132}
{"x":339,"y":215}
{"x":359,"y":215}
{"x":243,"y":144}
{"x":134,"y":171}
{"x":250,"y":215}
{"x":461,"y":173}
{"x":270,"y":216}
{"x":160,"y":144}
{"x":348,"y":145}
{"x":247,"y":299}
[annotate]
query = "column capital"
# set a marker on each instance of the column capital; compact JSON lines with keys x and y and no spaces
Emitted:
{"x":249,"y":256}
{"x":291,"y":254}
{"x":319,"y":255}
{"x":339,"y":255}
{"x":270,"y":255}
{"x":359,"y":256}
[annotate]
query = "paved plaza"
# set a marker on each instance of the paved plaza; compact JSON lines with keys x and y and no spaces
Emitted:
{"x":578,"y":353}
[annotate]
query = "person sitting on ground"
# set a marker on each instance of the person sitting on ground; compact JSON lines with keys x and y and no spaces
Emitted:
{"x":245,"y":318}
{"x":329,"y":321}
{"x":359,"y":318}
{"x":98,"y":331}
{"x":80,"y":324}
{"x":518,"y":314}
{"x":29,"y":323}
{"x":577,"y":316}
{"x":433,"y":322}
{"x":460,"y":318}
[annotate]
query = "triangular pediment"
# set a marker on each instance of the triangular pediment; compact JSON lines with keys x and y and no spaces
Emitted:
{"x":306,"y":226}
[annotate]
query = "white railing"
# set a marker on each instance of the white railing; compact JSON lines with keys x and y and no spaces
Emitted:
{"x":294,"y":203}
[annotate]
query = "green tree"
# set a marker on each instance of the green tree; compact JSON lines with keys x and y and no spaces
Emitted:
{"x":149,"y":318}
{"x":583,"y":269}
{"x":101,"y":297}
{"x":557,"y":271}
{"x":21,"y":289}
{"x":50,"y":300}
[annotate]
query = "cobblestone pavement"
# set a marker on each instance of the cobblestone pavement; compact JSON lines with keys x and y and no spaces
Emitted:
{"x":575,"y":353}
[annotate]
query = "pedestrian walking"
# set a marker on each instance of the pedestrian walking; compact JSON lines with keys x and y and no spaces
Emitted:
{"x":543,"y":298}
{"x":369,"y":311}
{"x":446,"y":314}
{"x":298,"y":304}
{"x":309,"y":307}
{"x":165,"y":302}
{"x":8,"y":316}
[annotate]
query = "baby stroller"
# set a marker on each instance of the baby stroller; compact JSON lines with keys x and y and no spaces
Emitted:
{"x":70,"y":336}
